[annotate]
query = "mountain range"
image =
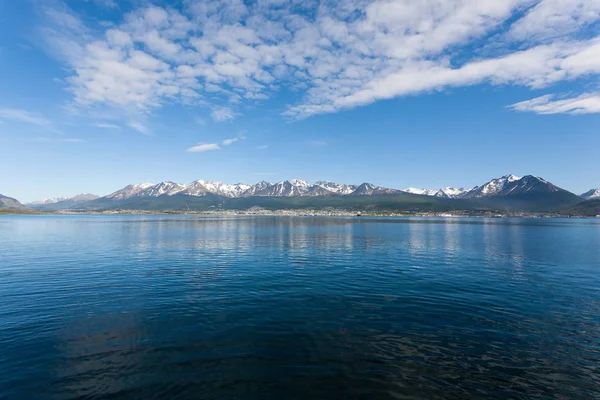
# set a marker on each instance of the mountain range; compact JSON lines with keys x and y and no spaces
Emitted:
{"x":75,"y":199}
{"x":288,"y":188}
{"x":62,"y":203}
{"x":507,"y":193}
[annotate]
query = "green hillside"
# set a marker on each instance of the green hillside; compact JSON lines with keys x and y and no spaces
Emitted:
{"x":590,"y":208}
{"x":391,"y":203}
{"x":534,"y":202}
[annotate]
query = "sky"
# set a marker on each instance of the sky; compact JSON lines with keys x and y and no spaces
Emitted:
{"x":98,"y":94}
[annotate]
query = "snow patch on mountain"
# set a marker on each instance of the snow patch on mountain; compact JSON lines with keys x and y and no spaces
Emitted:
{"x":294,"y":187}
{"x":422,"y":192}
{"x":202,"y":188}
{"x":450,"y":192}
{"x":253,"y":190}
{"x":447,"y":192}
{"x":591,"y":194}
{"x":129,"y":191}
{"x":491,"y":188}
{"x":341,"y":189}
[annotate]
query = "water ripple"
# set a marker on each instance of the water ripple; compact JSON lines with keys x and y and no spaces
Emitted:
{"x":181,"y":307}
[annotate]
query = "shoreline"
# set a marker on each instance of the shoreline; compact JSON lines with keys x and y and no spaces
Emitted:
{"x":306,"y":213}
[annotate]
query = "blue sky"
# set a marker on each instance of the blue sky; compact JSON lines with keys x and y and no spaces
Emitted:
{"x":98,"y":94}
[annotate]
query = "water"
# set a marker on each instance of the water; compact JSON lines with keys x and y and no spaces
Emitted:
{"x":184,"y":307}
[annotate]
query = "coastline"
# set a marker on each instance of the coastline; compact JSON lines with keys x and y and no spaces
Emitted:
{"x":305,"y":213}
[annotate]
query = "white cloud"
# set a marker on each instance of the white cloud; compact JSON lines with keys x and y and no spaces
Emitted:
{"x":262,"y":147}
{"x":203,"y":147}
{"x":588,"y":103}
{"x":107,"y":126}
{"x":200,"y":121}
{"x":336,"y":54}
{"x":241,"y":136}
{"x":221,"y":114}
{"x":554,"y":18}
{"x":140,"y":127}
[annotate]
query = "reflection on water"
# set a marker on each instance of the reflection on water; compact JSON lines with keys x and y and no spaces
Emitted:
{"x":197,"y":307}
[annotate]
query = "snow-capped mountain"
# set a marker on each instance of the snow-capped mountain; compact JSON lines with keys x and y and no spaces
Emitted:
{"x":528,"y":184}
{"x":256,"y":188}
{"x":368,"y":189}
{"x":164,"y":188}
{"x":76,"y":199}
{"x":450,"y":193}
{"x":492,"y":188}
{"x":422,"y":192}
{"x":202,"y":188}
{"x":287,"y":188}
{"x":294,"y":187}
{"x":49,"y":200}
{"x":504,"y":186}
{"x":129,"y":191}
{"x":446,"y":193}
{"x":591,"y":194}
{"x":336,"y":188}
{"x":506,"y":193}
{"x":509,"y":185}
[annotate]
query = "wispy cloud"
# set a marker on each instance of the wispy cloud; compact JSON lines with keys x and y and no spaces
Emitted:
{"x":106,"y":3}
{"x":264,"y":146}
{"x":107,"y":126}
{"x":317,"y":143}
{"x":140,"y":127}
{"x":228,"y":142}
{"x":28,"y":118}
{"x":347,"y":54}
{"x":203,"y":147}
{"x":222,"y":114}
{"x":588,"y":103}
{"x":43,"y":139}
{"x":200,"y":121}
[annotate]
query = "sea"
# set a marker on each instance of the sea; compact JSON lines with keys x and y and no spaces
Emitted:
{"x":208,"y":307}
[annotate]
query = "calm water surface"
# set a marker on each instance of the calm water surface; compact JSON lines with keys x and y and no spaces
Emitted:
{"x":184,"y":307}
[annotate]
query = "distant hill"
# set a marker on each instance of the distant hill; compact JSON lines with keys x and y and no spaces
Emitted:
{"x":8,"y":203}
{"x":62,"y":203}
{"x":589,"y":208}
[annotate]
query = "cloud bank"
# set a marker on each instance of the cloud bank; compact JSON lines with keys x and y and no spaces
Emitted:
{"x":334,"y":55}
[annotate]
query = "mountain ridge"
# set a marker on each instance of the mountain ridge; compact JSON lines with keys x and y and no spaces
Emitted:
{"x":508,"y":193}
{"x":77,"y":198}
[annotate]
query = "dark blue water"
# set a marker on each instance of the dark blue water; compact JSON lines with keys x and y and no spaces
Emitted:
{"x":177,"y":307}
